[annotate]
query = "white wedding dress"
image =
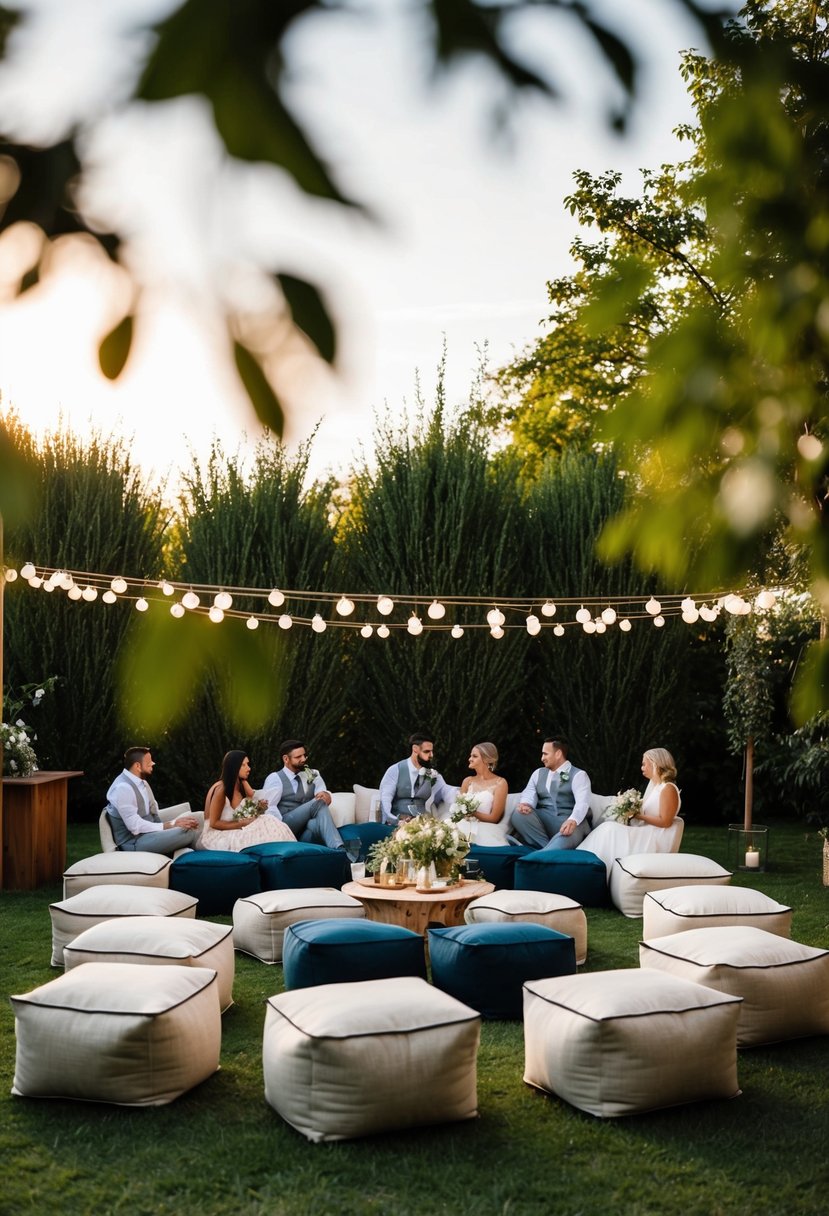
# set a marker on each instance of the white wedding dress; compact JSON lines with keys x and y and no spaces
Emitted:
{"x":486,"y":835}
{"x":610,"y":839}
{"x":265,"y":828}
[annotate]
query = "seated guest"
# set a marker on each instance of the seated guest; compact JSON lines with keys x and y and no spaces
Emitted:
{"x":646,"y":832}
{"x":297,"y":795}
{"x":409,"y":784}
{"x":221,"y":830}
{"x":552,"y":813}
{"x":488,"y":824}
{"x":133,"y":811}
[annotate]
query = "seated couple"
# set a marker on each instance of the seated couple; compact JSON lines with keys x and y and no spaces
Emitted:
{"x":297,"y":807}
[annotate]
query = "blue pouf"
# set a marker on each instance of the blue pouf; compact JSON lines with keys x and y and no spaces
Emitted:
{"x":485,"y":966}
{"x":339,"y":951}
{"x":574,"y":872}
{"x":286,"y":866}
{"x":367,"y":834}
{"x":498,"y":864}
{"x":215,"y":878}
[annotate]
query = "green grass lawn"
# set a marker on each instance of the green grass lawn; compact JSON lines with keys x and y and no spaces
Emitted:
{"x":221,"y":1149}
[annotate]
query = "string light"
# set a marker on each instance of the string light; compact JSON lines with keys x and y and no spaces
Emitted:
{"x":285,"y":621}
{"x":109,"y":597}
{"x":414,"y":625}
{"x":495,"y":618}
{"x":190,"y":600}
{"x":89,"y":594}
{"x":345,"y":606}
{"x":601,"y":627}
{"x":10,"y":574}
{"x":382,"y":631}
{"x":765,"y":600}
{"x":216,"y":615}
{"x":583,"y":616}
{"x":48,"y":586}
{"x":589,"y":626}
{"x":548,"y":609}
{"x":35,"y":581}
{"x":457,"y":631}
{"x":366,"y":631}
{"x":276,"y":599}
{"x":659,"y":621}
{"x":609,"y":616}
{"x":223,"y":601}
{"x":625,"y":625}
{"x":385,"y":606}
{"x":141,"y":604}
{"x":74,"y":593}
{"x":177,"y":610}
{"x":653,"y":606}
{"x":533,"y":625}
{"x":558,"y":630}
{"x":167,"y":588}
{"x":118,"y":585}
{"x":318,"y":624}
{"x":252,"y":622}
{"x":28,"y":571}
{"x":436,"y":610}
{"x":496,"y":631}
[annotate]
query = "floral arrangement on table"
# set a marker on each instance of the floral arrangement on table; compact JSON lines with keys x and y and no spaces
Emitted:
{"x":424,"y":840}
{"x":463,"y":808}
{"x":250,"y":808}
{"x":626,"y":806}
{"x":16,"y":738}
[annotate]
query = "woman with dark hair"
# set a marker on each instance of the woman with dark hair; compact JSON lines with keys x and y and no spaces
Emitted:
{"x":222,"y":830}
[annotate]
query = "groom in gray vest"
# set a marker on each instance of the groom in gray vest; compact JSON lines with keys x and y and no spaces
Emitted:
{"x":553,"y":809}
{"x":297,"y":795}
{"x":408,"y":785}
{"x":133,"y":811}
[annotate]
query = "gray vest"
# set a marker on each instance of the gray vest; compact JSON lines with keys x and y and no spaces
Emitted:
{"x":563,"y":800}
{"x":290,"y":800}
{"x":121,"y":833}
{"x":403,"y":802}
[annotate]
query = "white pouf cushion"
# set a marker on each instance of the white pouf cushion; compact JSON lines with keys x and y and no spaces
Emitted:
{"x":784,"y":985}
{"x":632,"y":877}
{"x":618,"y":1042}
{"x":260,"y":921}
{"x":138,"y":1036}
{"x":137,"y":869}
{"x":557,"y":912}
{"x":159,"y":941}
{"x":71,"y":916}
{"x":703,"y":907}
{"x":345,"y":1060}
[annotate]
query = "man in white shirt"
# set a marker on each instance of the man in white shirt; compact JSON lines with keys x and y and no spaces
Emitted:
{"x":133,"y":811}
{"x":297,"y":795}
{"x":408,"y":785}
{"x":553,"y":809}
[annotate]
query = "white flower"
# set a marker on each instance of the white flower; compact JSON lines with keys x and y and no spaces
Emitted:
{"x":13,"y":765}
{"x":19,"y":723}
{"x":41,"y":692}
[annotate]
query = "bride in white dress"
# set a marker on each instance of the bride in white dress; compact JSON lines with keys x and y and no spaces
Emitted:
{"x":221,"y":830}
{"x":489,"y":826}
{"x":651,"y":829}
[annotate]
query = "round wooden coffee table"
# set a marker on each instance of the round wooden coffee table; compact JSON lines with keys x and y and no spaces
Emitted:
{"x":407,"y":907}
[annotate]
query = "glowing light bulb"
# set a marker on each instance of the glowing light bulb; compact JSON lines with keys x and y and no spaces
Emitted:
{"x":690,"y":615}
{"x":35,"y":581}
{"x":533,"y":625}
{"x":558,"y":630}
{"x":366,"y":631}
{"x":167,"y":588}
{"x":252,"y":622}
{"x":74,"y":593}
{"x":436,"y":610}
{"x":495,"y":617}
{"x":583,"y":616}
{"x":589,"y":626}
{"x":89,"y":594}
{"x":382,"y":631}
{"x":708,"y":614}
{"x":688,"y":604}
{"x":601,"y":627}
{"x":176,"y":610}
{"x":48,"y":586}
{"x":276,"y":599}
{"x":496,"y":631}
{"x":457,"y":631}
{"x":653,"y":606}
{"x":141,"y":605}
{"x":10,"y":574}
{"x":385,"y":606}
{"x":609,"y":616}
{"x":216,"y":615}
{"x":318,"y":624}
{"x":548,"y":609}
{"x":659,"y":621}
{"x":414,"y":625}
{"x":28,"y":571}
{"x":109,"y":597}
{"x":190,"y":600}
{"x":285,"y":621}
{"x":625,"y":625}
{"x":223,"y":600}
{"x":119,"y":585}
{"x":766,"y":600}
{"x":345,"y":606}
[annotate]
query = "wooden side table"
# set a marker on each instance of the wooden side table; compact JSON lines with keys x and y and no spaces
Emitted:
{"x":411,"y":910}
{"x":34,"y":829}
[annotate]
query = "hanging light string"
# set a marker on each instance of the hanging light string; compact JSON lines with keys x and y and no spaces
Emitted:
{"x":591,"y":614}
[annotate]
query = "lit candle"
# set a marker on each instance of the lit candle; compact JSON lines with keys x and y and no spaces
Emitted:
{"x":753,"y":859}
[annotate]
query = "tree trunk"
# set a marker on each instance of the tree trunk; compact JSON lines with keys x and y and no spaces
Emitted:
{"x":749,"y":802}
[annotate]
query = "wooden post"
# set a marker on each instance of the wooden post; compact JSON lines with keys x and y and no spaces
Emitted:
{"x":749,"y":802}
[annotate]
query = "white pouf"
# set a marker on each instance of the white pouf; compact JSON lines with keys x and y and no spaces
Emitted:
{"x":632,"y":877}
{"x":260,"y":921}
{"x":346,"y":1060}
{"x":703,"y":907}
{"x":784,"y":985}
{"x":137,"y":1036}
{"x":159,"y":941}
{"x":620,"y":1042}
{"x":71,"y":916}
{"x":557,"y":912}
{"x":136,"y":869}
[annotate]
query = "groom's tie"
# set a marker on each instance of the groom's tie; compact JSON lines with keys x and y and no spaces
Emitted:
{"x":300,"y":788}
{"x":415,"y":784}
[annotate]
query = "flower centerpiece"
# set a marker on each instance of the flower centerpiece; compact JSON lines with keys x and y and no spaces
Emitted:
{"x":16,"y":738}
{"x":424,"y":840}
{"x":626,"y":806}
{"x":250,"y":808}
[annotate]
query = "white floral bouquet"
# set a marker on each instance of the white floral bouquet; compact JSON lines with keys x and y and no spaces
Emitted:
{"x":625,"y":807}
{"x":16,"y":738}
{"x":250,"y":808}
{"x":463,"y":808}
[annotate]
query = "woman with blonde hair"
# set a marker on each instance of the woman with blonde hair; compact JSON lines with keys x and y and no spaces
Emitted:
{"x":489,"y":824}
{"x":652,"y":829}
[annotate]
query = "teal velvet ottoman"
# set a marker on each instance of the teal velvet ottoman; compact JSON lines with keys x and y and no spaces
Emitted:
{"x":292,"y":865}
{"x":486,"y":966}
{"x":340,"y":951}
{"x":574,"y":872}
{"x":216,"y":878}
{"x":366,"y":833}
{"x":498,"y":863}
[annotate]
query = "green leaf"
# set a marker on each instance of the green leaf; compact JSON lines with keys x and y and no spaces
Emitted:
{"x":616,"y":295}
{"x":262,"y":397}
{"x":115,"y":348}
{"x":310,"y":314}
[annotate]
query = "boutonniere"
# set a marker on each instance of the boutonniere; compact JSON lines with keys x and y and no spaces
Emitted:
{"x":309,"y":775}
{"x":430,"y":775}
{"x":563,"y":778}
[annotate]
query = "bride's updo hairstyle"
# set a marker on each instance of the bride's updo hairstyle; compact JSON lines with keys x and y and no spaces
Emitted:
{"x":663,"y":762}
{"x":489,"y":753}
